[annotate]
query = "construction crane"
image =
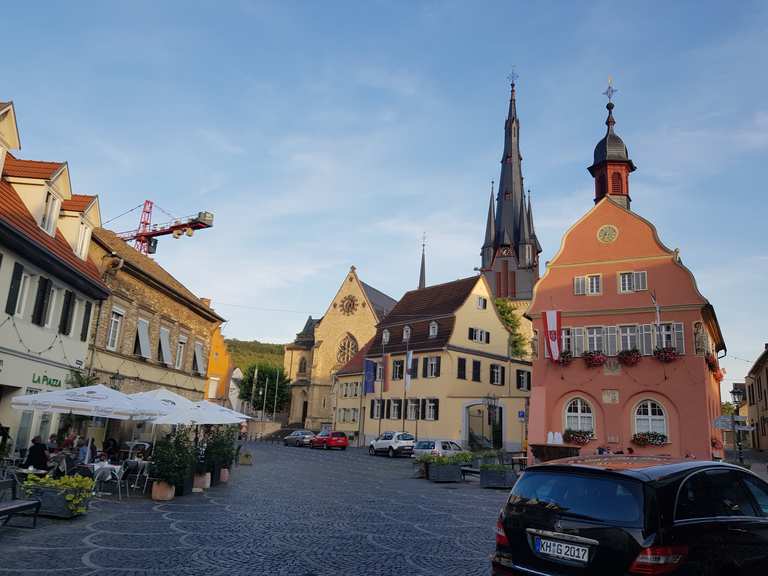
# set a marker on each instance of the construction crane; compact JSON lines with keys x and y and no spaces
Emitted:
{"x":144,"y":238}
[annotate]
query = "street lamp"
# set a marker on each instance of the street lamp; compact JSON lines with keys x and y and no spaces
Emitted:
{"x":492,"y":403}
{"x":737,"y":394}
{"x":116,"y":380}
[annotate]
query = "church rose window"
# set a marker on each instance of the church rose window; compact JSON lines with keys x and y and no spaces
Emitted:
{"x":347,"y":349}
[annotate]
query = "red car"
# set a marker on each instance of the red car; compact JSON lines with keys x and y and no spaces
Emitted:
{"x":327,"y":439}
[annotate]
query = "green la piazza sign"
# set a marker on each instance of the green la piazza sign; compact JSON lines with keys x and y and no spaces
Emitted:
{"x":45,"y":380}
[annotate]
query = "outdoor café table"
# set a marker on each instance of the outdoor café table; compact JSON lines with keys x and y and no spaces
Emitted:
{"x":24,"y":472}
{"x":103,"y":471}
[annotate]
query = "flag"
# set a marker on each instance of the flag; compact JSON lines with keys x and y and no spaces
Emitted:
{"x":369,"y":377}
{"x":552,"y":333}
{"x":385,"y":373}
{"x":408,"y":364}
{"x":658,"y":309}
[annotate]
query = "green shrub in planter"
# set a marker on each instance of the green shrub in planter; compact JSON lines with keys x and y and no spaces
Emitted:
{"x":172,"y":459}
{"x":63,"y":498}
{"x":447,"y":468}
{"x":497,"y":476}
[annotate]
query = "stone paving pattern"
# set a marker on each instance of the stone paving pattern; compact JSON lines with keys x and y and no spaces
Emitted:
{"x":295,"y":511}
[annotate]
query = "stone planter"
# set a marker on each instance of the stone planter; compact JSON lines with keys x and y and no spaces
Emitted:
{"x":547,"y":452}
{"x":445,"y":472}
{"x":162,"y":491}
{"x":490,"y":478}
{"x":201,"y":482}
{"x":187,"y":486}
{"x":420,"y":470}
{"x":53,"y":502}
{"x":224,"y":477}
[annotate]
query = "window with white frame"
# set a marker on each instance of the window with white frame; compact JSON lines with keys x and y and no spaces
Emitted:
{"x":611,"y":340}
{"x":479,"y":335}
{"x":432,"y":329}
{"x":578,"y":341}
{"x":413,"y":409}
{"x":433,"y":367}
{"x":596,"y":339}
{"x":385,"y":337}
{"x":397,"y":369}
{"x":50,"y":313}
{"x":83,"y":240}
{"x":376,"y":411}
{"x":353,"y":414}
{"x":394,"y":411}
{"x":578,"y":416}
{"x":21,"y":300}
{"x":113,"y":332}
{"x":579,"y":285}
{"x":633,"y":281}
{"x":523,"y":380}
{"x":431,"y":409}
{"x":50,"y":213}
{"x":628,"y":338}
{"x":181,"y":347}
{"x":482,"y":303}
{"x":646,"y":339}
{"x":650,"y":417}
{"x":565,"y":337}
{"x":671,"y":336}
{"x":497,"y":375}
{"x":406,"y":333}
{"x":594,"y":284}
{"x":379,"y":371}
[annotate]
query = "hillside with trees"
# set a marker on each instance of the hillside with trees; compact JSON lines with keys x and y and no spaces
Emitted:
{"x":246,"y":353}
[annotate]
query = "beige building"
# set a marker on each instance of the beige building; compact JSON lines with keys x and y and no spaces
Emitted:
{"x":152,"y":331}
{"x":757,"y":401}
{"x":463,"y":384}
{"x":326,"y":345}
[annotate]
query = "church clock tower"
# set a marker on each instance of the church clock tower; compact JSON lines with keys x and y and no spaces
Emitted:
{"x":510,"y":253}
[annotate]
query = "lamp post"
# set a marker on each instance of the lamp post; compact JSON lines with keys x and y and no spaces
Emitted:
{"x":737,"y":394}
{"x":116,"y":380}
{"x":492,"y":403}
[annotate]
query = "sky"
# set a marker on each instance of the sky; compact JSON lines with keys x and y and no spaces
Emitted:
{"x":329,"y":134}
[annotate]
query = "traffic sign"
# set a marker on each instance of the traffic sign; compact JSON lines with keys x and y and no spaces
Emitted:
{"x":521,"y":415}
{"x":744,"y":428}
{"x":723,"y":425}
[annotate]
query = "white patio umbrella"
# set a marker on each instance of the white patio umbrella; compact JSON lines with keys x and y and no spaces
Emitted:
{"x":201,"y":413}
{"x":96,"y":400}
{"x":162,"y":400}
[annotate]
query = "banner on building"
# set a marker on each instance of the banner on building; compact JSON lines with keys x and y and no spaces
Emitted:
{"x":385,"y":373}
{"x":408,"y":366}
{"x":552,"y":333}
{"x":369,"y":376}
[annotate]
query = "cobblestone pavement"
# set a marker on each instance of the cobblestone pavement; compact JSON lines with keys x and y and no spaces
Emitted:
{"x":295,"y":511}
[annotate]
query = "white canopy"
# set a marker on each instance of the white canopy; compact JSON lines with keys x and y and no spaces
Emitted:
{"x":201,"y":413}
{"x":161,"y":400}
{"x":96,"y":400}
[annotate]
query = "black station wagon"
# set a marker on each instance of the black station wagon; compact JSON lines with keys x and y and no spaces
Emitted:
{"x":607,"y":515}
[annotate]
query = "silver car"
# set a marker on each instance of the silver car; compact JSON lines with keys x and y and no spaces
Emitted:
{"x":437,"y":448}
{"x":298,"y":438}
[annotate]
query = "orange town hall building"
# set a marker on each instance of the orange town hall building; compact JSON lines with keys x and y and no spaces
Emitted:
{"x":637,"y":365}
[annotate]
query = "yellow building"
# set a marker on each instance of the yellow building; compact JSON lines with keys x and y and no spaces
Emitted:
{"x":349,"y":399}
{"x":463,"y":384}
{"x":325,"y":345}
{"x":220,"y":367}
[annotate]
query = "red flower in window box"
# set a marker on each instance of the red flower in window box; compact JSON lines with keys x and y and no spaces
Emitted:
{"x":629,"y":357}
{"x":594,"y":359}
{"x":649,"y":439}
{"x":579,"y":437}
{"x":565,"y":358}
{"x":719,"y":375}
{"x":666,"y":354}
{"x":712,"y":362}
{"x":717,"y":444}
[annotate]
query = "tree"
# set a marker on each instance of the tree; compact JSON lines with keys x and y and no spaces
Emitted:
{"x":727,"y":409}
{"x":80,"y":379}
{"x":518,"y":344}
{"x":265,"y":381}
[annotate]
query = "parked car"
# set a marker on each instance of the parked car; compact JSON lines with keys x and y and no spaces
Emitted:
{"x":298,"y":438}
{"x":392,"y":444}
{"x":327,"y":439}
{"x":634,"y":515}
{"x":437,"y":448}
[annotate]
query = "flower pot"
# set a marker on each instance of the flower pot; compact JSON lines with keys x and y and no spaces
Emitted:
{"x":162,"y":491}
{"x":492,"y":478}
{"x":53,"y":501}
{"x":187,"y":486}
{"x":201,"y":482}
{"x":215,"y":474}
{"x":420,"y":470}
{"x":224,"y":477}
{"x":445,"y":472}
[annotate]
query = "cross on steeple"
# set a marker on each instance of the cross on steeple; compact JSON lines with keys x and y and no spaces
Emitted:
{"x":512,"y":76}
{"x":423,"y":269}
{"x":610,"y":91}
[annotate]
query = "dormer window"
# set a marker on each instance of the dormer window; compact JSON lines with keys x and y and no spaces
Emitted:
{"x":432,"y":329}
{"x":406,"y":333}
{"x":83,"y":240}
{"x":50,"y":213}
{"x":385,"y":337}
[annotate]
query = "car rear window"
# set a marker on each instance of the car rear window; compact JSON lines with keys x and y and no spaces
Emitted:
{"x":405,"y":437}
{"x":425,"y":445}
{"x":603,"y":498}
{"x":338,"y":435}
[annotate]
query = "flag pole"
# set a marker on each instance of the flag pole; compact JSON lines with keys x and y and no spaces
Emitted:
{"x":381,"y":384}
{"x":277,"y":385}
{"x":253,"y":387}
{"x":264,"y":406}
{"x":406,"y":381}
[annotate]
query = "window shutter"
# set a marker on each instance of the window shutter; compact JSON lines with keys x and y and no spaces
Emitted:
{"x":578,"y":341}
{"x":13,"y":293}
{"x":679,"y":338}
{"x":641,"y":280}
{"x":471,"y":334}
{"x":487,"y":337}
{"x":86,"y":322}
{"x":165,"y":348}
{"x":65,"y":322}
{"x":423,"y":409}
{"x":414,"y":368}
{"x":490,"y":373}
{"x":199,"y":357}
{"x":388,"y":409}
{"x":461,"y":371}
{"x":372,"y":408}
{"x":610,"y":334}
{"x":437,"y":409}
{"x":437,"y":368}
{"x":503,"y":376}
{"x":425,"y":367}
{"x":41,"y":301}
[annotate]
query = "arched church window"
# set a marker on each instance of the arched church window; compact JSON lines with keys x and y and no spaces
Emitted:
{"x":347,"y":349}
{"x":616,"y":184}
{"x":303,"y":366}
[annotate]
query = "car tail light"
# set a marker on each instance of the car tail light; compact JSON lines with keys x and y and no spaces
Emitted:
{"x":501,"y":536}
{"x":659,"y":560}
{"x":435,"y":453}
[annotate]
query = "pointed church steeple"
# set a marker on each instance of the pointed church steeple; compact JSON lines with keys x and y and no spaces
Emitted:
{"x":490,"y":234}
{"x":423,"y":269}
{"x":510,"y":196}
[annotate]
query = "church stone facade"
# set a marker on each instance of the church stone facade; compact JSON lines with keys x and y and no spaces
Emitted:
{"x":325,"y":345}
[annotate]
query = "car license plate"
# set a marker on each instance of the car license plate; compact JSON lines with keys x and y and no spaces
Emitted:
{"x":561,"y":550}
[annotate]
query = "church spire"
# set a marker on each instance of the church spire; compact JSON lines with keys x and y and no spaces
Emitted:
{"x":423,"y":269}
{"x":510,"y":196}
{"x":490,"y":234}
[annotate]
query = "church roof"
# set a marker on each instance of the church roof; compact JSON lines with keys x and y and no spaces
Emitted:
{"x":306,"y":338}
{"x":381,"y":303}
{"x":432,"y":301}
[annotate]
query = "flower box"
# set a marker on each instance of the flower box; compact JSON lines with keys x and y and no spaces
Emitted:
{"x":565,"y":358}
{"x":497,"y":476}
{"x":666,"y":354}
{"x":629,"y":357}
{"x":578,"y":437}
{"x":649,"y":439}
{"x":594,"y":359}
{"x":54,"y":502}
{"x":445,"y":472}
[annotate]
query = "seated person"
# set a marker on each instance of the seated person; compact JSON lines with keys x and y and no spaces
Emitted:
{"x":37,"y":455}
{"x":53,"y":443}
{"x":83,"y":452}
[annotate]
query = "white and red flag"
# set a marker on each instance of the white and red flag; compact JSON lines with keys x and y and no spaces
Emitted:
{"x":552,"y":333}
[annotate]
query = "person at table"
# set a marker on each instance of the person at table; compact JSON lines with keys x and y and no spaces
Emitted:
{"x":37,"y":455}
{"x":92,"y":449}
{"x":69,"y":441}
{"x":53,"y":443}
{"x":83,"y":452}
{"x":111,"y":448}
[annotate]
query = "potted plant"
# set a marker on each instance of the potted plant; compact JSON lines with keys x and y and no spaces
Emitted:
{"x":183,"y":458}
{"x":170,"y":467}
{"x":485,"y":457}
{"x":665,"y":354}
{"x":649,"y":439}
{"x":578,"y":437}
{"x":64,"y":497}
{"x":220,"y":454}
{"x":716,"y":444}
{"x":712,"y":362}
{"x":202,"y":478}
{"x":421,"y":466}
{"x":594,"y":359}
{"x":497,"y":476}
{"x":565,"y":358}
{"x":629,"y":357}
{"x":227,"y":452}
{"x":444,"y":469}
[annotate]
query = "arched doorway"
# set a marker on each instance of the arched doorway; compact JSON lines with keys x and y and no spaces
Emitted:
{"x":304,"y":407}
{"x":484,"y":426}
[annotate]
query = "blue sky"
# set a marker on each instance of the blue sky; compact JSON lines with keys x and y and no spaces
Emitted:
{"x":329,"y":134}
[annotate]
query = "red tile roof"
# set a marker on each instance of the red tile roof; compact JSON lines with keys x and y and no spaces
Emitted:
{"x":78,"y":202}
{"x":355,"y":365}
{"x":29,"y":168}
{"x":14,"y":212}
{"x":438,"y":300}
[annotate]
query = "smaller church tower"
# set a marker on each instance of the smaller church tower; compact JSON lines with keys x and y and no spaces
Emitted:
{"x":611,"y":166}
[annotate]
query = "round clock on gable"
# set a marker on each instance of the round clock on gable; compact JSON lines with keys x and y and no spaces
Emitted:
{"x":348,"y":305}
{"x":607,"y":233}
